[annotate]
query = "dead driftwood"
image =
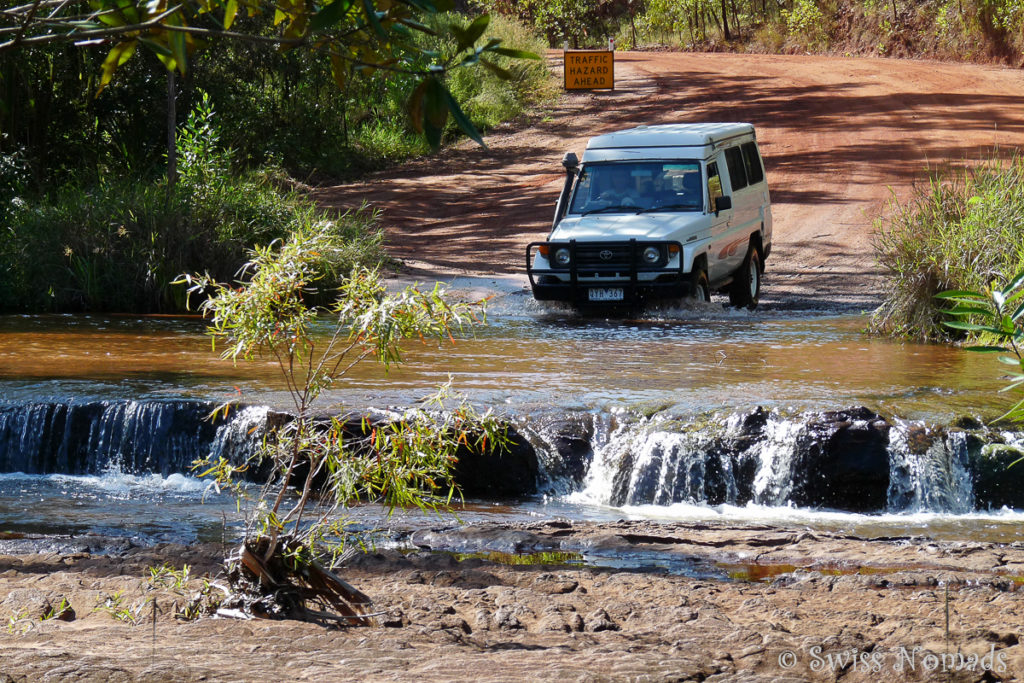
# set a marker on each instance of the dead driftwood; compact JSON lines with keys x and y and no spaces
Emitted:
{"x":292,"y":585}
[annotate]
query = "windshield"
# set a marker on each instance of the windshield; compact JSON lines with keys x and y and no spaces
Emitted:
{"x":638,"y":186}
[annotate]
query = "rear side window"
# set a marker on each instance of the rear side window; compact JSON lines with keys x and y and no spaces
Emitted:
{"x":755,"y":171}
{"x":737,"y":168}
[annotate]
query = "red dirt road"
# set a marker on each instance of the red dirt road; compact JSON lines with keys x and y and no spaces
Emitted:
{"x":839,"y":137}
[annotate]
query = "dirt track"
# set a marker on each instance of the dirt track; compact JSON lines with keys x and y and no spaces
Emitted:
{"x":839,"y":136}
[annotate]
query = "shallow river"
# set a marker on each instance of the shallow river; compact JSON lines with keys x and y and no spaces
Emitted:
{"x":527,"y":360}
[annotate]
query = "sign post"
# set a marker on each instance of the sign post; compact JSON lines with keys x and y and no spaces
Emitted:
{"x":589,"y":69}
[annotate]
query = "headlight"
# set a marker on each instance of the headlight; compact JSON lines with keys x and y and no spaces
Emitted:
{"x":562,"y":257}
{"x":652,"y":254}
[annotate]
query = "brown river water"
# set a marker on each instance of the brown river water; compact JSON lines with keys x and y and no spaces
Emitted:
{"x":527,"y":360}
{"x":709,"y":360}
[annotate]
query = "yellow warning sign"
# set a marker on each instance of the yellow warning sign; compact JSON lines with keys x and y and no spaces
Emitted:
{"x":589,"y":70}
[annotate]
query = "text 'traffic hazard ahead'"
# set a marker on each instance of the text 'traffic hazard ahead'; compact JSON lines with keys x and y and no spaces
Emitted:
{"x":589,"y":70}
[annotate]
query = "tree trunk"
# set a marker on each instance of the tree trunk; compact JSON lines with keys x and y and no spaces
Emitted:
{"x":725,"y":21}
{"x":172,"y":148}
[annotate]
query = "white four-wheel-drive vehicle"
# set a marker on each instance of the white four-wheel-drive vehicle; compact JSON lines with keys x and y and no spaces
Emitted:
{"x":658,"y":212}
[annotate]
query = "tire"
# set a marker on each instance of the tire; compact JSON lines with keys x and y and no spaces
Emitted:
{"x":745,"y":290}
{"x":700,"y":288}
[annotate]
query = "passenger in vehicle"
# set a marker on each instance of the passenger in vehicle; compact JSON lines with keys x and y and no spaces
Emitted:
{"x":622,"y":191}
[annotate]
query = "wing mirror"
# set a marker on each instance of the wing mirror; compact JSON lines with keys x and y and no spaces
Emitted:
{"x":723,"y":203}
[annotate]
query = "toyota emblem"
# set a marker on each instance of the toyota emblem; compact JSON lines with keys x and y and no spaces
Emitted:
{"x":606,"y":254}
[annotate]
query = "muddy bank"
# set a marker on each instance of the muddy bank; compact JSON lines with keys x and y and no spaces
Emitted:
{"x":793,"y":599}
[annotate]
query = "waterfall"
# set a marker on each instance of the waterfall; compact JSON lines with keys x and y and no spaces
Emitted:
{"x":159,"y":436}
{"x":850,"y":460}
{"x":929,"y":470}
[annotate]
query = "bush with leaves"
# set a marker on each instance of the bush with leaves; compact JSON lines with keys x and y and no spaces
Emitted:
{"x":115,"y":245}
{"x":995,"y":317}
{"x":320,"y":466}
{"x":961,"y":230}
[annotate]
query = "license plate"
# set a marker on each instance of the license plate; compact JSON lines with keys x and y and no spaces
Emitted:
{"x":606,"y":294}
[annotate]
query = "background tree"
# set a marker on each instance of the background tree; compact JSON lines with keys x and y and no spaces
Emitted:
{"x":350,"y":38}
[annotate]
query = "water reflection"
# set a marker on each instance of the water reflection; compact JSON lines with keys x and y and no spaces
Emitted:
{"x":713,"y":358}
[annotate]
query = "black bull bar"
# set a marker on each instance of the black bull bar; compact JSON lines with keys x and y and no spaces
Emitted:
{"x":671,"y":282}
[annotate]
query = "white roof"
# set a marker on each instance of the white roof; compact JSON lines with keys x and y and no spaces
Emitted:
{"x":670,"y":135}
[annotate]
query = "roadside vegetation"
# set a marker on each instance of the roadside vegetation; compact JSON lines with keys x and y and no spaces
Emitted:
{"x":296,"y":528}
{"x":959,"y":231}
{"x":972,"y":30}
{"x":92,"y":216}
{"x":996,"y":315}
{"x":116,"y":243}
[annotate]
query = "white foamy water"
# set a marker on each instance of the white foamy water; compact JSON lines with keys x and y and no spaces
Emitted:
{"x":995,"y":526}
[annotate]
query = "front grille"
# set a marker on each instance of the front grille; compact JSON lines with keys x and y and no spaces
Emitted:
{"x":602,"y":256}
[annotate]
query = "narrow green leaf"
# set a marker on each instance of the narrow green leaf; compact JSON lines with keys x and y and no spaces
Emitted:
{"x":460,"y":37}
{"x":435,"y":111}
{"x":1016,"y":282}
{"x":373,"y":19}
{"x":1010,"y":360}
{"x":1018,"y":313}
{"x":970,"y":327}
{"x":476,"y":29}
{"x":417,"y":26}
{"x":157,"y":48}
{"x":329,"y":15}
{"x":497,"y":70}
{"x":968,"y":310}
{"x":179,"y":49}
{"x":460,"y":118}
{"x":1016,"y":413}
{"x":986,"y":349}
{"x":961,"y":294}
{"x":514,"y":53}
{"x":230,"y":10}
{"x":118,"y":55}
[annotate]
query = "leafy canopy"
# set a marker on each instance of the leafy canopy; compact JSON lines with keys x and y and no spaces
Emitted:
{"x":356,"y":36}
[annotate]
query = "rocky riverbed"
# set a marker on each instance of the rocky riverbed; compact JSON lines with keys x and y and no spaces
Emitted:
{"x":687,"y":602}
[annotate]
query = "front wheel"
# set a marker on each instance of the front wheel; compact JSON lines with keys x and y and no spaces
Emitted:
{"x":746,"y":285}
{"x":700,"y":287}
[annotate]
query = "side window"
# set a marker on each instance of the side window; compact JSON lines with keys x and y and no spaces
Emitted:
{"x":755,"y":171}
{"x":714,"y":186}
{"x":737,"y":169}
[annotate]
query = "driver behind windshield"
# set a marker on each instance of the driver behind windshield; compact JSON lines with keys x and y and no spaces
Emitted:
{"x":622,"y":191}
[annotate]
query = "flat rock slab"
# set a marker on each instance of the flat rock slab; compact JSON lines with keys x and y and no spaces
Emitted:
{"x":880,"y":602}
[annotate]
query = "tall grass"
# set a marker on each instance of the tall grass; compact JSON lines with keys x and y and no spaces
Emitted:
{"x":963,"y":230}
{"x":487,"y":99}
{"x":117,"y":243}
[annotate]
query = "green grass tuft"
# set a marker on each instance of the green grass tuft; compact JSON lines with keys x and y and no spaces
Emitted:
{"x":960,"y":231}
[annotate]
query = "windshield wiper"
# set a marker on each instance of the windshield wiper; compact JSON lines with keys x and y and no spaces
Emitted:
{"x":609,"y":208}
{"x":669,"y":207}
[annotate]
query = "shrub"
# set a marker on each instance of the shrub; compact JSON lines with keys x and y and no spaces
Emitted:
{"x":116,"y":244}
{"x":296,"y":527}
{"x":961,"y":231}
